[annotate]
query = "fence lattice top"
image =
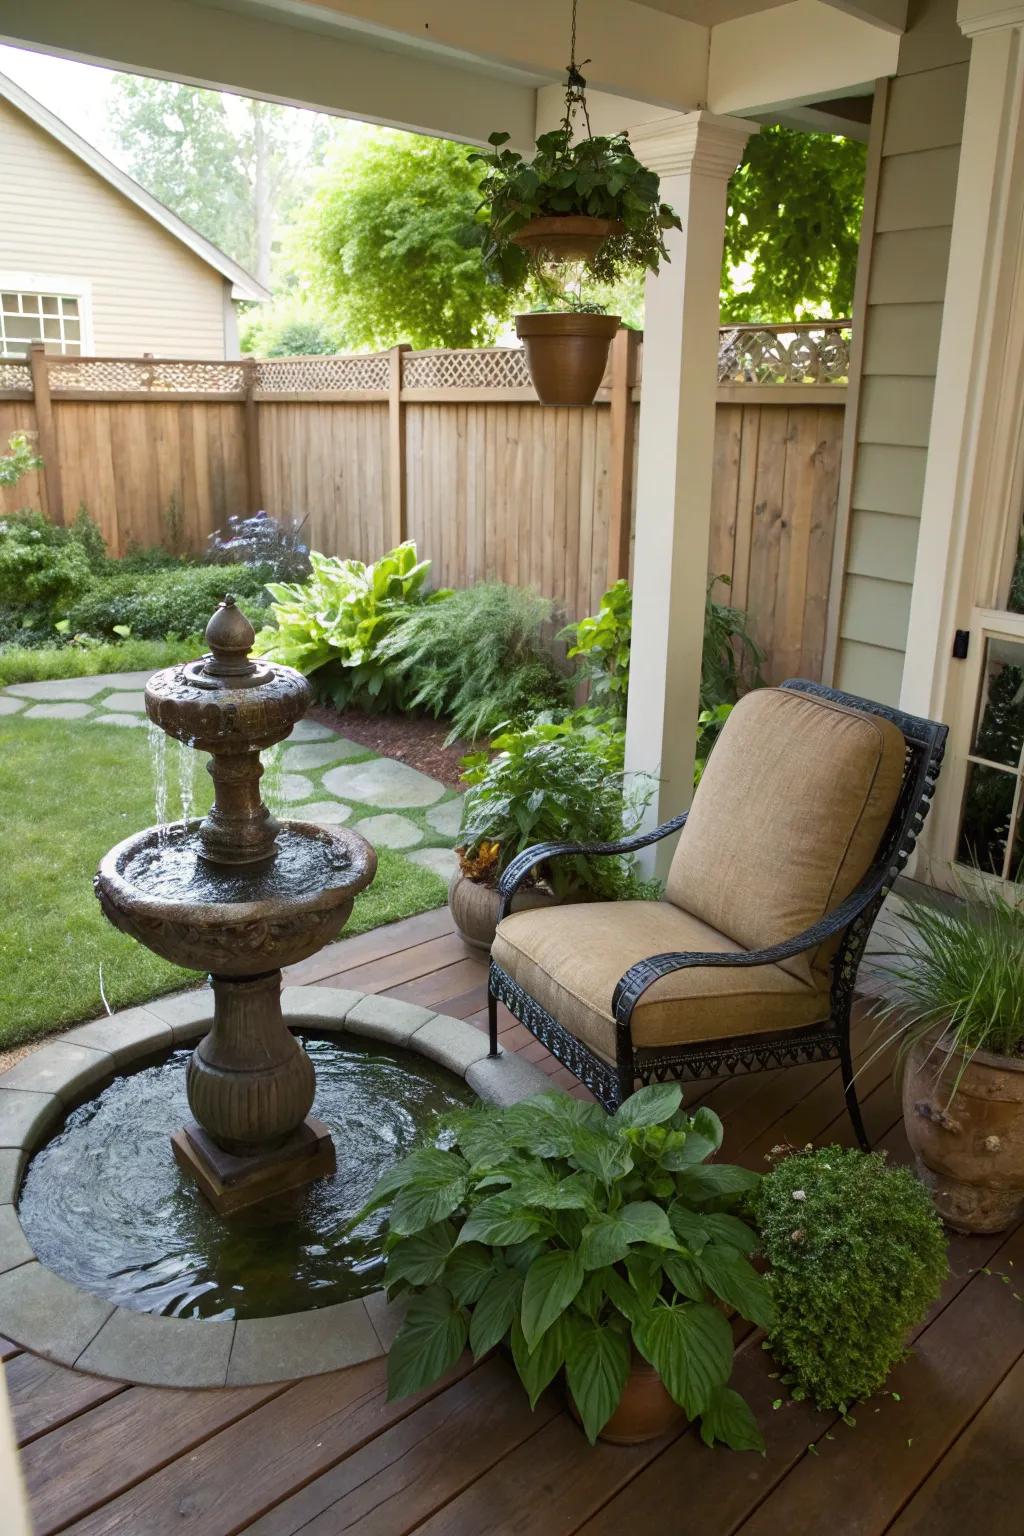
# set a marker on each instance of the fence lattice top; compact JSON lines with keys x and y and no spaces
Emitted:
{"x":778,"y":354}
{"x":811,"y":354}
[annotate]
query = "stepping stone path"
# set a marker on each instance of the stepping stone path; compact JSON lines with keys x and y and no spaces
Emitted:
{"x":319,"y":777}
{"x":390,"y":831}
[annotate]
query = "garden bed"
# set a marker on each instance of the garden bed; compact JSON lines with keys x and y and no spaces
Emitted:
{"x":413,"y":739}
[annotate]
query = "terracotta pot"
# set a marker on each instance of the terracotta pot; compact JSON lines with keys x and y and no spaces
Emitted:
{"x":566,"y":354}
{"x":474,"y":907}
{"x":969,"y":1143}
{"x":568,"y":237}
{"x":645,"y":1411}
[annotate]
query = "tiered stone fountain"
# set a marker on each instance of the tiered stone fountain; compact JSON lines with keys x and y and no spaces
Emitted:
{"x":240,"y":895}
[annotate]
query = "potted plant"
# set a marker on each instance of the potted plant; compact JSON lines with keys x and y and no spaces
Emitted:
{"x":855,"y":1257}
{"x":959,"y":1003}
{"x":552,"y":781}
{"x":602,"y":1245}
{"x":586,"y":200}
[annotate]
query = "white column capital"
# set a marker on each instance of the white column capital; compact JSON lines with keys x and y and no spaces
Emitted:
{"x":692,"y":143}
{"x":977,"y":16}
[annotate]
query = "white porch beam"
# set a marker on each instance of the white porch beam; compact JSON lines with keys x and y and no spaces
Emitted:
{"x":279,"y":60}
{"x":695,"y":155}
{"x":801,"y":52}
{"x":891,"y":15}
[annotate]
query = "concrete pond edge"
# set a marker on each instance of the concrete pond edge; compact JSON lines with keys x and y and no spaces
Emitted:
{"x":48,"y":1315}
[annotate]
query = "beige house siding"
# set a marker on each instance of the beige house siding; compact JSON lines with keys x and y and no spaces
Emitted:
{"x":150,"y":293}
{"x":900,"y":323}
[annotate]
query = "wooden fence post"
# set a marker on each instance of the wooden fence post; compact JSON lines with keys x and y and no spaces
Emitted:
{"x":396,"y":520}
{"x":621,"y":445}
{"x":252,"y":438}
{"x":46,"y":433}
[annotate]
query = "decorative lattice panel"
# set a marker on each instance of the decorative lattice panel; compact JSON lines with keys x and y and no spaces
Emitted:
{"x":15,"y":376}
{"x":114,"y":375}
{"x":315,"y":375}
{"x":481,"y":368}
{"x":775,"y":355}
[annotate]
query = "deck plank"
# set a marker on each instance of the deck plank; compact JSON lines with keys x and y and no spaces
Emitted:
{"x":44,"y":1396}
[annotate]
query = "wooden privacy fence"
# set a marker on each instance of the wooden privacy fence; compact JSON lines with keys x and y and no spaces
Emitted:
{"x":452,"y":449}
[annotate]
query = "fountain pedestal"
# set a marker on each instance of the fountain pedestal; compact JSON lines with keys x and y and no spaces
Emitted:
{"x":240,"y":896}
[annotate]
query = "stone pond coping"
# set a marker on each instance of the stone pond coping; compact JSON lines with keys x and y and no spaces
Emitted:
{"x":47,"y":1314}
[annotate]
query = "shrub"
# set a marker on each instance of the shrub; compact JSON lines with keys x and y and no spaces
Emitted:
{"x":856,"y":1255}
{"x":261,"y":540}
{"x":172,"y":602}
{"x":602,"y":643}
{"x":44,"y":567}
{"x":573,"y":1234}
{"x":554,"y":781}
{"x":731,"y":659}
{"x":479,"y":658}
{"x":331,"y":626}
{"x":20,"y":459}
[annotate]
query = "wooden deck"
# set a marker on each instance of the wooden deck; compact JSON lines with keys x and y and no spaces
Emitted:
{"x":942,"y":1452}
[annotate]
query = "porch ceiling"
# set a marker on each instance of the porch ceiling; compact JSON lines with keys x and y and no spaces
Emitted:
{"x":457,"y":68}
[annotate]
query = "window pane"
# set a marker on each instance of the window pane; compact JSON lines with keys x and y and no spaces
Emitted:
{"x":30,"y":303}
{"x":988,"y":804}
{"x":51,"y":305}
{"x":71,"y":329}
{"x":1001,"y":712}
{"x":9,"y":301}
{"x":13,"y":348}
{"x":51,"y":329}
{"x":70,"y":306}
{"x":26,"y":327}
{"x":72,"y":349}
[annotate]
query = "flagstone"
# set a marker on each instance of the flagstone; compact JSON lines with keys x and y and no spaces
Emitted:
{"x":119,"y":720}
{"x":294,"y":786}
{"x":60,"y":688}
{"x":318,"y":755}
{"x":440,"y":861}
{"x":311,"y":730}
{"x":327,"y":812}
{"x":447,"y":818}
{"x":132,"y":702}
{"x":58,"y":712}
{"x":383,"y":782}
{"x":9,"y":706}
{"x":390,"y":831}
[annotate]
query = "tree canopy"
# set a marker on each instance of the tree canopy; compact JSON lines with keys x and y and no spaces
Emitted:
{"x":391,"y":240}
{"x":793,"y":227}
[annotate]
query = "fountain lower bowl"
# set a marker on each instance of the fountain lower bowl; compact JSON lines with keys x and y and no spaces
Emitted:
{"x":239,"y":921}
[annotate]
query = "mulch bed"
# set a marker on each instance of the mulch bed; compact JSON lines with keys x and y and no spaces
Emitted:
{"x":412,"y":739}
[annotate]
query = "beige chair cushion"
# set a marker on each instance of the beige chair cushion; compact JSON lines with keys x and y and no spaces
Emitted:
{"x":570,"y":959}
{"x":787,"y":819}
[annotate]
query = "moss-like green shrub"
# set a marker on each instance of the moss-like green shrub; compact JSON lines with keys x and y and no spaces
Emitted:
{"x":43,"y":565}
{"x":857,"y":1256}
{"x":176,"y":601}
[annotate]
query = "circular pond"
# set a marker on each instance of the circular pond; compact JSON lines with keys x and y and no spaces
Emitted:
{"x":105,"y":1205}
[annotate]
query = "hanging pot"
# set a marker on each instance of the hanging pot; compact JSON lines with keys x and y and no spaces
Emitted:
{"x":566,"y":354}
{"x":568,"y":237}
{"x":967,"y":1135}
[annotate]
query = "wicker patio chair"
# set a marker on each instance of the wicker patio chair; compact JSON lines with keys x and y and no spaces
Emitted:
{"x":808,"y":809}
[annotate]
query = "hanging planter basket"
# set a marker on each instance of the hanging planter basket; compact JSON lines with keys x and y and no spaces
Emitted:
{"x":566,"y":354}
{"x":567,"y":237}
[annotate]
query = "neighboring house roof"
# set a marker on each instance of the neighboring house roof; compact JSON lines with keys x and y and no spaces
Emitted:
{"x":243,"y":284}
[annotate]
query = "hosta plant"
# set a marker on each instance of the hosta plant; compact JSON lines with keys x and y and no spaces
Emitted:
{"x":575,"y":1237}
{"x":332,"y":625}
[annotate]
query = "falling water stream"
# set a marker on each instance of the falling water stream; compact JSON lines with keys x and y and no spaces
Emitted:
{"x":158,"y":764}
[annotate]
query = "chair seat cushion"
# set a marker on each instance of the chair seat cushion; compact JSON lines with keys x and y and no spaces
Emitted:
{"x":571,"y":958}
{"x":788,"y":817}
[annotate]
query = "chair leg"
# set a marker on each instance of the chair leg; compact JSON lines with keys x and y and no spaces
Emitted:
{"x":850,"y":1092}
{"x":492,"y":1022}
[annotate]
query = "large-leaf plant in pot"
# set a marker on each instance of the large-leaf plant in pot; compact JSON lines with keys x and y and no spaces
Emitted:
{"x":556,"y":780}
{"x":602,"y":1246}
{"x":958,"y":1004}
{"x":580,"y":207}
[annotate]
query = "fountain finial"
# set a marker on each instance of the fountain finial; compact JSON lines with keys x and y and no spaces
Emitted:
{"x":230,"y":637}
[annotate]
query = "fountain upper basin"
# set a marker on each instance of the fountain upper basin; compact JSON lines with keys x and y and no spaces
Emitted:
{"x":234,"y":921}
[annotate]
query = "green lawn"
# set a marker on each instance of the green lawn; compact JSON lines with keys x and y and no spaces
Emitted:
{"x":68,"y":791}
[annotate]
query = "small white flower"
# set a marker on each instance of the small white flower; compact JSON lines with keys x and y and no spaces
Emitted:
{"x":799,"y":1194}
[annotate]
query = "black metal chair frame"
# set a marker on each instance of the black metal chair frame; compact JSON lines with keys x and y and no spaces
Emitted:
{"x":851,"y":921}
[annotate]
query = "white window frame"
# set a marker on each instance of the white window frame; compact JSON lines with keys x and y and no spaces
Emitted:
{"x":57,"y":285}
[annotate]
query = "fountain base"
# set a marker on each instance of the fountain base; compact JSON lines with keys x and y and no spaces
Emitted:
{"x":230,"y":1182}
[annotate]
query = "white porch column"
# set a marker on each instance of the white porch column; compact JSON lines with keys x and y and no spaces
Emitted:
{"x":695,"y":154}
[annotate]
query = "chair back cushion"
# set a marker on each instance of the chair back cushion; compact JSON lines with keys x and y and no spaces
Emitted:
{"x":787,"y":819}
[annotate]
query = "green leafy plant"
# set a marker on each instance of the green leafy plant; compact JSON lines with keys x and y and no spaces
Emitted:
{"x":574,"y":1236}
{"x":20,"y":459}
{"x":601,"y":642}
{"x":332,"y":625}
{"x":552,"y":781}
{"x":596,"y":176}
{"x":42,"y":566}
{"x":856,"y":1256}
{"x":479,"y":658}
{"x":960,"y":975}
{"x":731,"y":658}
{"x":161,"y":601}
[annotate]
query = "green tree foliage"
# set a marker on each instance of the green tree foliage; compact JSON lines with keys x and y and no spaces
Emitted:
{"x":292,"y":326}
{"x":392,"y":242}
{"x":229,"y":166}
{"x":793,"y":227}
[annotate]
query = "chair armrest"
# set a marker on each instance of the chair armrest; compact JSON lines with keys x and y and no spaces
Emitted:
{"x":521,"y":865}
{"x":645,"y":973}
